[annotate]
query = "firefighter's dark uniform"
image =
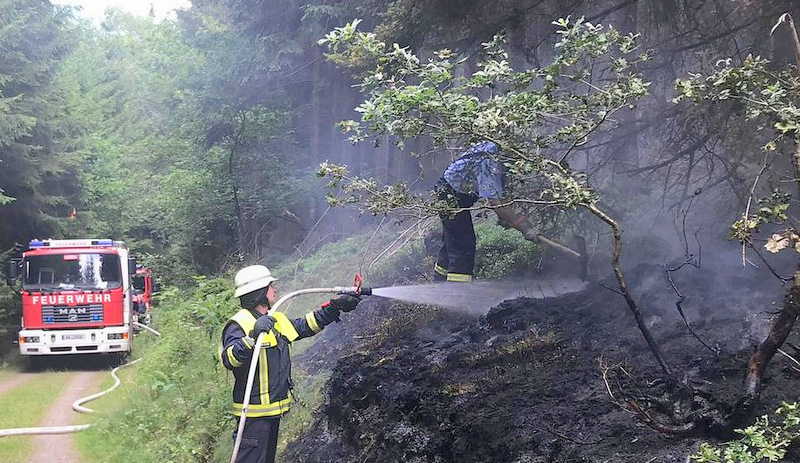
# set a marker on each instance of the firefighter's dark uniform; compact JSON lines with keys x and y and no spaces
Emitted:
{"x":476,"y":174}
{"x":270,"y":397}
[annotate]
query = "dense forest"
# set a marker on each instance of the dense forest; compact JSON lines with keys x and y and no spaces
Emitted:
{"x":198,"y":140}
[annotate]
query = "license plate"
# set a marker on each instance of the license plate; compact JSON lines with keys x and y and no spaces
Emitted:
{"x":67,"y":337}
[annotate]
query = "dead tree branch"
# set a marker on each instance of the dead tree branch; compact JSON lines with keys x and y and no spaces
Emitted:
{"x":681,"y":299}
{"x":781,"y":327}
{"x":623,"y":288}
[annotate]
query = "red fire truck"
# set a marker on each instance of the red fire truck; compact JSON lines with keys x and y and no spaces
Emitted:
{"x":76,"y":297}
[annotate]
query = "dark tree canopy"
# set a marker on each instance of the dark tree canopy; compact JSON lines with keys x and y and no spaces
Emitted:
{"x":38,"y":171}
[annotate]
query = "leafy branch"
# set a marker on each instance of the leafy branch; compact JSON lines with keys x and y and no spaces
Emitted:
{"x":769,"y":100}
{"x":763,"y":441}
{"x":538,"y":116}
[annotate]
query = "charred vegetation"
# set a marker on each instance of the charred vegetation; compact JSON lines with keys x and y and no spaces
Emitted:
{"x":538,"y":380}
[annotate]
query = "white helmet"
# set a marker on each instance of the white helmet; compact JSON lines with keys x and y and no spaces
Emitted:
{"x":252,"y":278}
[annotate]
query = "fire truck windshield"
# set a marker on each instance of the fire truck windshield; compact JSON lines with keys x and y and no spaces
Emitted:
{"x":54,"y":272}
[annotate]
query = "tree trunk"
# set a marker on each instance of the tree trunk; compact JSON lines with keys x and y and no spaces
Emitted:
{"x":781,"y":327}
{"x":784,"y":322}
{"x":237,"y":206}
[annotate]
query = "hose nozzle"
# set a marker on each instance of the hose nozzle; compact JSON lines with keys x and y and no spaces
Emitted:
{"x":353,"y":290}
{"x":358,"y":290}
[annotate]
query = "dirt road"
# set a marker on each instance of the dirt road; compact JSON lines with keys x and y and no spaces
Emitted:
{"x":60,"y":448}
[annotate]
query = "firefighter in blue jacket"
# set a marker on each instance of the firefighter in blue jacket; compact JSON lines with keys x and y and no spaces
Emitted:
{"x":270,"y":397}
{"x":476,"y":174}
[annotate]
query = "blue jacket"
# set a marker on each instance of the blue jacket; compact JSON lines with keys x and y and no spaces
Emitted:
{"x":477,"y":172}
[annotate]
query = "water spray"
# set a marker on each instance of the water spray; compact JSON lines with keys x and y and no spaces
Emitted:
{"x":356,"y":290}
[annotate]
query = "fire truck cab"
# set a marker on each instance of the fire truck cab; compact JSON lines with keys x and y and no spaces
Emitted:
{"x":76,"y":297}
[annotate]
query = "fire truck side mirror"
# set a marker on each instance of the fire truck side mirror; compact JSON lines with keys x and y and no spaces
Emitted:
{"x":12,"y":271}
{"x":131,"y":266}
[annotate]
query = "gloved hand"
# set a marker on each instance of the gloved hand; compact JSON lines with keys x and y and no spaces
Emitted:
{"x":344,"y":303}
{"x":264,"y":324}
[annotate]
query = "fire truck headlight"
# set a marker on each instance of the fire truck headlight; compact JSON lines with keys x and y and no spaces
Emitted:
{"x":117,"y":336}
{"x":28,"y":339}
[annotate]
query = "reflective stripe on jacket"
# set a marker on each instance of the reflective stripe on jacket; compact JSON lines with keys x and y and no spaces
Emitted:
{"x":271,"y":392}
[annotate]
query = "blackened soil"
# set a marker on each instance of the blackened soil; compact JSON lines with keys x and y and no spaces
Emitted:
{"x":535,"y":381}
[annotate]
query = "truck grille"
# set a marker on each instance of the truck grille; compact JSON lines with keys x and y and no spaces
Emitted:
{"x":79,"y":314}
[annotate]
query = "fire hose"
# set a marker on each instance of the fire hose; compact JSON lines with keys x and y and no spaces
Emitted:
{"x":77,"y":405}
{"x":355,"y":290}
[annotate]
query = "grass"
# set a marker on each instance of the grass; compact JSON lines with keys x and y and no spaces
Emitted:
{"x":172,"y":406}
{"x":150,"y":421}
{"x":108,"y":401}
{"x":24,"y":407}
{"x":7,"y":371}
{"x":309,"y":392}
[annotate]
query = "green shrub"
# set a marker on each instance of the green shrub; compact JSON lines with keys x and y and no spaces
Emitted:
{"x":504,"y":252}
{"x":10,"y":312}
{"x":761,"y":442}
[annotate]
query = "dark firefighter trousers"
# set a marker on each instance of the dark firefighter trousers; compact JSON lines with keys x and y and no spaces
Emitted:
{"x":457,"y":254}
{"x":259,"y":440}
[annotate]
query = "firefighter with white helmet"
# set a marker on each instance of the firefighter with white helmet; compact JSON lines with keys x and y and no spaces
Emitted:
{"x":270,"y":397}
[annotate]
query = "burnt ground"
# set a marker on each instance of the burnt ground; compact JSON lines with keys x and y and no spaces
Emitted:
{"x":530,"y":380}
